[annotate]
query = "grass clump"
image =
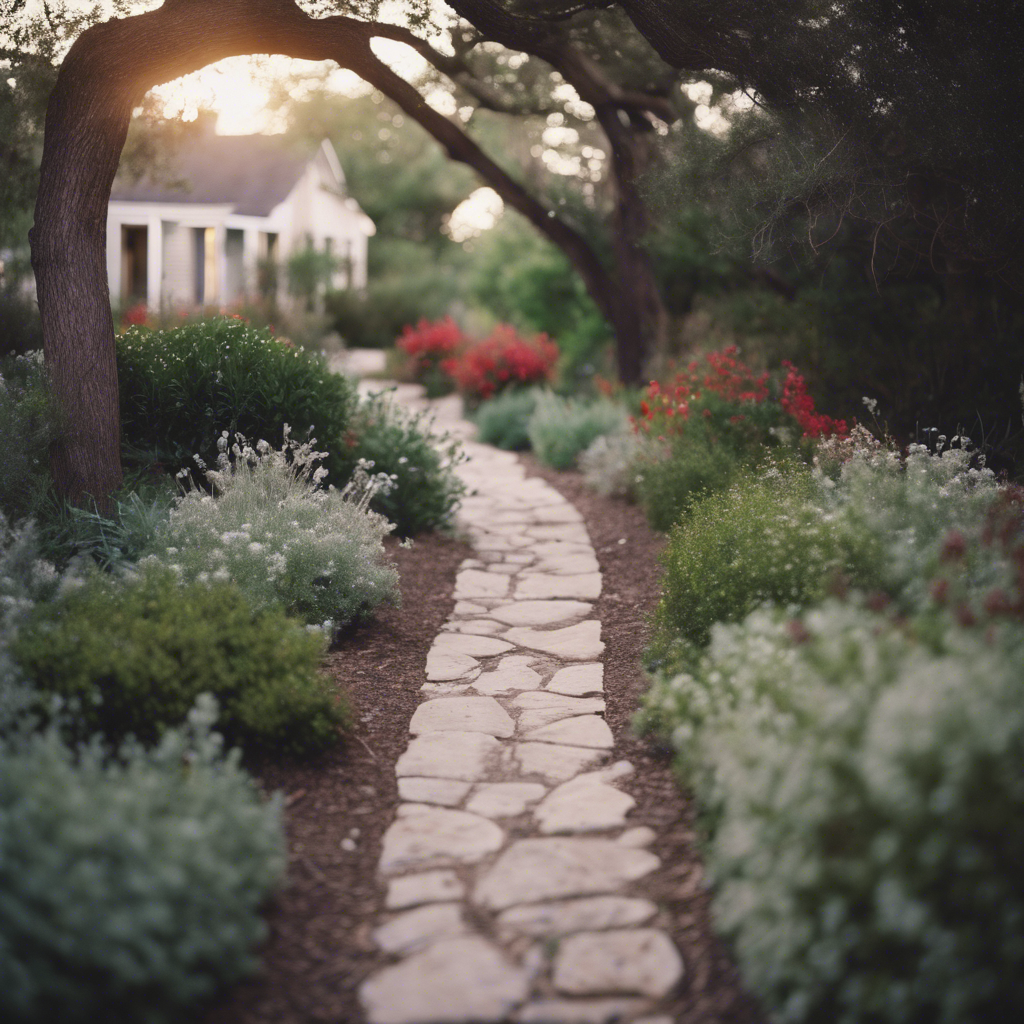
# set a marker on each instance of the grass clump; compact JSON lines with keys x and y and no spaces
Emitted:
{"x":560,"y":429}
{"x":132,"y":656}
{"x":129,"y":885}
{"x":503,"y":420}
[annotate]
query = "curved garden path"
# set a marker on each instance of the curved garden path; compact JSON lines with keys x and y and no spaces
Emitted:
{"x":512,"y":866}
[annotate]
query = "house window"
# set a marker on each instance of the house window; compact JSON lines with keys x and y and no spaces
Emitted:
{"x":204,"y":265}
{"x":134,"y":264}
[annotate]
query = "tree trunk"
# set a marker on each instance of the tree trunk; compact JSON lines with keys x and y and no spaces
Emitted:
{"x":105,"y":74}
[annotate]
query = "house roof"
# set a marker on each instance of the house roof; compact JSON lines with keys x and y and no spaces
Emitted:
{"x":252,"y":173}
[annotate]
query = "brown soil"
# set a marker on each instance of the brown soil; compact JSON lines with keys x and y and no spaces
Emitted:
{"x":319,"y":948}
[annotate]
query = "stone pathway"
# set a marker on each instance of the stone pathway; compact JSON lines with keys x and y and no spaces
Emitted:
{"x":511,"y":864}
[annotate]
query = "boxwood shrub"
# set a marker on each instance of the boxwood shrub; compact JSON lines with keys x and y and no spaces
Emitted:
{"x":180,"y":388}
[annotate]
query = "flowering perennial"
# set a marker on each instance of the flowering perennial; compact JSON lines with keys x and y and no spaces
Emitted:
{"x":800,"y":406}
{"x":665,"y":409}
{"x":428,"y":344}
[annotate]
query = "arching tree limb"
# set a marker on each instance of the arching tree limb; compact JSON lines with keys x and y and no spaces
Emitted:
{"x":105,"y":74}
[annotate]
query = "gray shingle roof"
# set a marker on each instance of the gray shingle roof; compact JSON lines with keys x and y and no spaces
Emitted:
{"x":252,"y":173}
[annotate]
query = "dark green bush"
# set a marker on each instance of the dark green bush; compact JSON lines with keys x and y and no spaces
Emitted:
{"x":28,"y":423}
{"x":180,"y":388}
{"x":399,"y":443}
{"x":129,"y":887}
{"x":502,"y":420}
{"x":134,"y":655}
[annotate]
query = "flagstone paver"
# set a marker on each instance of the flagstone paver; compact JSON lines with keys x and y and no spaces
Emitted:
{"x":511,"y":864}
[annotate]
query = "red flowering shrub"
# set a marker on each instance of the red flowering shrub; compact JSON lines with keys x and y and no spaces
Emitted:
{"x":725,"y":390}
{"x":503,"y":359}
{"x":427,"y":346}
{"x":800,"y":406}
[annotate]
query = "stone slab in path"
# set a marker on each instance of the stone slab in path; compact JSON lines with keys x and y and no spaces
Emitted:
{"x":449,"y":755}
{"x":638,"y":960}
{"x":581,"y":642}
{"x":464,"y":980}
{"x":540,"y":613}
{"x":540,"y":869}
{"x":578,"y":680}
{"x":462,"y":714}
{"x":435,"y":836}
{"x":562,"y":917}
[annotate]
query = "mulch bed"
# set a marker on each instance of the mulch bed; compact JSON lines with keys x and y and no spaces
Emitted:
{"x":319,"y":948}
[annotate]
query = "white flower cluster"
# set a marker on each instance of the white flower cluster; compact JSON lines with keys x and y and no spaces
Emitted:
{"x":857,"y":782}
{"x":272,"y":528}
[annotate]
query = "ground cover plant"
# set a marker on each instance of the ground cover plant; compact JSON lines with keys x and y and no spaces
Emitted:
{"x":504,"y":359}
{"x":560,"y":429}
{"x":503,"y":420}
{"x":271,"y":529}
{"x":129,"y":885}
{"x":862,"y":802}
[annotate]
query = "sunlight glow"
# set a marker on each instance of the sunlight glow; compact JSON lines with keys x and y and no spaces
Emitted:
{"x":478,"y":213}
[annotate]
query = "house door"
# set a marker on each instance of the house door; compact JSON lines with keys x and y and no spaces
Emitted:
{"x":134,"y":264}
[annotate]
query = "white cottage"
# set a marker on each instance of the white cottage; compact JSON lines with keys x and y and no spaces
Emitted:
{"x":221,"y":212}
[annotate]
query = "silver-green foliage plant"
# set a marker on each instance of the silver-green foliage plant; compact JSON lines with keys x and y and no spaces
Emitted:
{"x":129,"y":885}
{"x":503,"y":420}
{"x":863,"y":804}
{"x":560,"y":429}
{"x":26,"y":579}
{"x":270,"y":528}
{"x":609,"y":464}
{"x":906,"y":506}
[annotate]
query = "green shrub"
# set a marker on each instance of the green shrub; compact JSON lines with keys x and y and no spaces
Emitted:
{"x":765,"y":539}
{"x":502,"y":421}
{"x":180,"y":388}
{"x":271,"y":530}
{"x":129,"y":888}
{"x":864,"y":809}
{"x":561,"y":428}
{"x":28,"y":424}
{"x":133,"y":655}
{"x":675,"y":473}
{"x":401,"y":444}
